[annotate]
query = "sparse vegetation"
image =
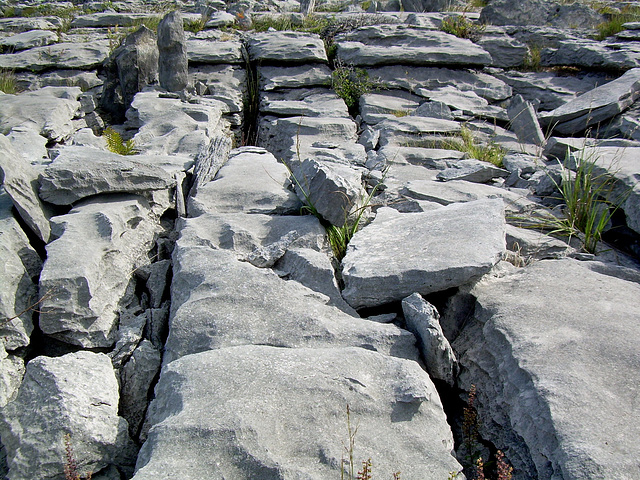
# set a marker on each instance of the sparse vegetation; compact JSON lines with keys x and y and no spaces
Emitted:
{"x":309,"y":23}
{"x":616,"y":20}
{"x":116,"y":144}
{"x":532,"y":62}
{"x":462,"y":27}
{"x":490,"y":152}
{"x":350,"y":83}
{"x":196,"y":26}
{"x":8,"y":81}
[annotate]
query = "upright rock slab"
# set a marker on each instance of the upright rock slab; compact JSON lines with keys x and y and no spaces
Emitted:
{"x":75,"y":395}
{"x":556,"y":370}
{"x":172,"y":47}
{"x":402,"y":253}
{"x":281,"y":413}
{"x":98,"y":245}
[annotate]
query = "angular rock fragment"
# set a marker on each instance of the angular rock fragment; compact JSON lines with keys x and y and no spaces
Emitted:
{"x":315,"y":104}
{"x":214,"y":53}
{"x":591,"y":54}
{"x":423,"y":320}
{"x":414,"y":131}
{"x":274,"y":78}
{"x":11,"y":372}
{"x":555,"y":370}
{"x":85,"y":56}
{"x":26,"y":40}
{"x":172,"y":61}
{"x":74,"y":395}
{"x":524,"y":121}
{"x":113,"y":235}
{"x":286,"y":48}
{"x":399,"y":254}
{"x":282,"y":412}
{"x":471,"y":170}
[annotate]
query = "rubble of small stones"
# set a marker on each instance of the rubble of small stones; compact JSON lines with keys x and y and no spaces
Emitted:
{"x":183,"y":311}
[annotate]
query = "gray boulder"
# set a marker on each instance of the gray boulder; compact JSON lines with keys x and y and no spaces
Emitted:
{"x":525,"y":245}
{"x":591,"y":54}
{"x":540,"y":12}
{"x":286,"y":48}
{"x":26,"y":40}
{"x":423,"y":320}
{"x":287,"y":417}
{"x":595,"y":106}
{"x":400,"y":254}
{"x":111,"y":19}
{"x":17,"y":25}
{"x":214,"y":53}
{"x":275,"y":77}
{"x":375,"y":107}
{"x":19,"y":267}
{"x":225,"y":83}
{"x":20,"y":182}
{"x":172,"y":48}
{"x":555,"y":370}
{"x":471,"y":170}
{"x":231,"y":192}
{"x":85,"y":56}
{"x":506,"y":52}
{"x":130,"y":68}
{"x":11,"y":373}
{"x":524,"y":121}
{"x":113,"y":235}
{"x":399,"y":44}
{"x":49,"y":111}
{"x":413,"y":131}
{"x":317,"y":103}
{"x":335,"y":191}
{"x":80,"y":172}
{"x":79,"y":393}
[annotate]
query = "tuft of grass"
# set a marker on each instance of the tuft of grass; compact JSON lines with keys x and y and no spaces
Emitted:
{"x":491,"y":152}
{"x":309,"y":23}
{"x":115,"y":143}
{"x":462,"y":27}
{"x":350,"y":83}
{"x":616,"y":20}
{"x":532,"y":62}
{"x":8,"y":81}
{"x":196,"y":26}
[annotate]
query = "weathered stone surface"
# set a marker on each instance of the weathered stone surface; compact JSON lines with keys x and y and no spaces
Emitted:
{"x":274,"y":78}
{"x":269,"y":424}
{"x":468,"y":102}
{"x":114,"y":235}
{"x":540,"y":12}
{"x":426,"y":157}
{"x":20,"y":265}
{"x":506,"y":52}
{"x":60,"y":55}
{"x":524,"y":121}
{"x":171,"y":126}
{"x":252,"y":181}
{"x":79,"y":393}
{"x":286,"y":47}
{"x":11,"y":372}
{"x":214,"y":53}
{"x":26,"y":40}
{"x":592,"y":54}
{"x":471,"y":170}
{"x":431,"y":78}
{"x":18,"y":25}
{"x":400,"y":44}
{"x":131,"y":67}
{"x":135,"y":381}
{"x":557,"y":367}
{"x":314,"y":104}
{"x":49,"y":111}
{"x":20,"y":182}
{"x":400,"y":254}
{"x":111,"y":19}
{"x":80,"y":172}
{"x":425,"y":5}
{"x":58,"y":78}
{"x":218,"y":302}
{"x":414,"y":131}
{"x":423,"y":320}
{"x":27,"y":143}
{"x":375,"y":107}
{"x":529,"y":245}
{"x":335,"y":191}
{"x":225,"y":83}
{"x":172,"y":61}
{"x":596,"y":105}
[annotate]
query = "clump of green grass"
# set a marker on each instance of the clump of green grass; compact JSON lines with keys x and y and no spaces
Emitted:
{"x":462,"y":27}
{"x":8,"y":81}
{"x":309,"y":23}
{"x":532,"y":62}
{"x":616,"y":20}
{"x":115,"y":143}
{"x":490,"y":152}
{"x":196,"y":26}
{"x":351,"y":83}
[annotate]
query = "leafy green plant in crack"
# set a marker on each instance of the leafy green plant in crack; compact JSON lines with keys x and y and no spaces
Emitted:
{"x":351,"y":83}
{"x":466,"y":142}
{"x":116,"y":144}
{"x":462,"y":27}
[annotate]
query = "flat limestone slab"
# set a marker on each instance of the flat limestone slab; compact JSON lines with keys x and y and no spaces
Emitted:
{"x":402,"y":253}
{"x":259,"y":412}
{"x":61,"y":55}
{"x":553,"y":354}
{"x":286,"y":48}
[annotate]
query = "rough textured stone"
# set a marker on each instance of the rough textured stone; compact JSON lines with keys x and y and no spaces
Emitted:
{"x":528,"y":245}
{"x":230,"y":192}
{"x":114,"y":235}
{"x":595,"y":106}
{"x":49,"y":111}
{"x":172,"y":48}
{"x":214,"y":53}
{"x":425,"y":5}
{"x":269,"y":424}
{"x":414,"y":131}
{"x":524,"y":121}
{"x":286,"y":48}
{"x":592,"y":54}
{"x":273,"y":78}
{"x":471,"y":170}
{"x":506,"y":52}
{"x":225,"y":83}
{"x":60,"y":55}
{"x":557,"y":367}
{"x":317,"y":103}
{"x":20,"y":182}
{"x":11,"y":373}
{"x":400,"y":44}
{"x":375,"y":107}
{"x":540,"y":12}
{"x":80,"y":392}
{"x":399,"y":254}
{"x":18,"y":25}
{"x":110,"y":19}
{"x":80,"y":172}
{"x":19,"y":267}
{"x":335,"y":191}
{"x":26,"y":40}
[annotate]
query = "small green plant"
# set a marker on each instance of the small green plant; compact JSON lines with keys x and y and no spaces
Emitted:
{"x":196,"y":26}
{"x":491,"y":152}
{"x":115,"y":143}
{"x":616,"y":21}
{"x":350,"y":83}
{"x":8,"y":81}
{"x":532,"y":62}
{"x":461,"y":26}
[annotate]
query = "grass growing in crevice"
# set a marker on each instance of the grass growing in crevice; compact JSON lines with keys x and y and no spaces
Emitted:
{"x":116,"y":144}
{"x":196,"y":26}
{"x":616,"y":21}
{"x":309,"y":23}
{"x":8,"y":81}
{"x":350,"y":83}
{"x":462,"y":27}
{"x":532,"y":62}
{"x":490,"y":152}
